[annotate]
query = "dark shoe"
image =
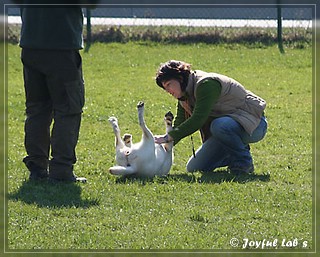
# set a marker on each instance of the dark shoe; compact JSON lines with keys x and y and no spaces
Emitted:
{"x":38,"y":174}
{"x":239,"y":170}
{"x":68,"y":180}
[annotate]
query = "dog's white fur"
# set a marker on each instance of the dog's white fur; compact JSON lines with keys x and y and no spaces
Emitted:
{"x":145,"y":158}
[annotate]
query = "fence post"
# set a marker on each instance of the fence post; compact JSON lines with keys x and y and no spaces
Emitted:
{"x":88,"y":42}
{"x":280,"y":41}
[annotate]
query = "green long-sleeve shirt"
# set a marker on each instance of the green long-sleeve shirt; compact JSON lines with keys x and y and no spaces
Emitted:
{"x":206,"y":95}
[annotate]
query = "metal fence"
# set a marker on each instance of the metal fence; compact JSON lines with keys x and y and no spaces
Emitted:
{"x":215,"y":14}
{"x":294,"y":19}
{"x":239,"y":18}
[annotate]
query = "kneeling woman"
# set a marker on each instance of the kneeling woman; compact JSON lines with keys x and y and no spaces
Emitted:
{"x":228,"y":116}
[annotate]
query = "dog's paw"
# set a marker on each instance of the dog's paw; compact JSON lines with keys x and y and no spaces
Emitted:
{"x":114,"y":123}
{"x":112,"y":171}
{"x":120,"y":170}
{"x":169,"y":116}
{"x":140,"y":104}
{"x":113,"y":120}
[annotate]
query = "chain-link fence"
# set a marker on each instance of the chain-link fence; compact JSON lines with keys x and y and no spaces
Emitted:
{"x":210,"y":24}
{"x":205,"y":16}
{"x":292,"y":25}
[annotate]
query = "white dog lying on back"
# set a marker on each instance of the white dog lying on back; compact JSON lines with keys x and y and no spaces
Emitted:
{"x":146,"y":158}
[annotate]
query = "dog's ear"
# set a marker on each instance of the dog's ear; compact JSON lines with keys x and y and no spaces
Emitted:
{"x":127,"y":138}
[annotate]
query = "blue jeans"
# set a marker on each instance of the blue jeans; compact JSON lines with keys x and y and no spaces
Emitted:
{"x":228,"y":145}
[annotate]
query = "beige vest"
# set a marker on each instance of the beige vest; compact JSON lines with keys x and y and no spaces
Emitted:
{"x":235,"y":101}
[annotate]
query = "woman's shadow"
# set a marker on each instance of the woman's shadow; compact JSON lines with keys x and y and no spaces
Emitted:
{"x":47,"y":194}
{"x":220,"y":176}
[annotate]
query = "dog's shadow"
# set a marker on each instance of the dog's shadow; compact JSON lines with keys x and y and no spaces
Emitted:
{"x":214,"y":177}
{"x":141,"y":180}
{"x":46,"y":194}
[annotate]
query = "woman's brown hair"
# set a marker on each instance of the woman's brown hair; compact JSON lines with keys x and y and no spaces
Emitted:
{"x":173,"y":69}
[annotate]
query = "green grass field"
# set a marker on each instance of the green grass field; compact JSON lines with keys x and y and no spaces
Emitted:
{"x":205,"y":212}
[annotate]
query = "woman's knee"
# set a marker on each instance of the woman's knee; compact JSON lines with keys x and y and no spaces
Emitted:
{"x":191,"y":165}
{"x":195,"y":165}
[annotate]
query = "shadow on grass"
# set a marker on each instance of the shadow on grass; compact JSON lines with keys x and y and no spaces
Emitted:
{"x":214,"y":177}
{"x":217,"y":177}
{"x":139,"y":180}
{"x":46,"y":194}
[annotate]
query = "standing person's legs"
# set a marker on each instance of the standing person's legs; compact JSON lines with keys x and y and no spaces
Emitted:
{"x":66,"y":88}
{"x":38,"y":117}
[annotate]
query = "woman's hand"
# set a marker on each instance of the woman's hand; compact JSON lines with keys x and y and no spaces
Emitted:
{"x":163,"y":139}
